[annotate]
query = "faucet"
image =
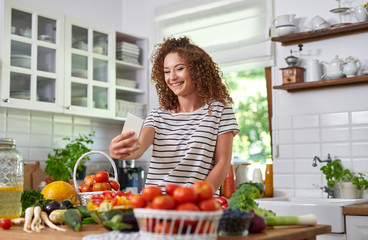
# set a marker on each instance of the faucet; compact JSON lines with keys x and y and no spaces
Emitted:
{"x":330,"y":191}
{"x":316,"y":158}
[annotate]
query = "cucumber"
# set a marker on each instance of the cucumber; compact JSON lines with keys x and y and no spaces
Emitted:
{"x":83,"y":211}
{"x":73,"y":219}
{"x":120,"y":220}
{"x":57,"y":216}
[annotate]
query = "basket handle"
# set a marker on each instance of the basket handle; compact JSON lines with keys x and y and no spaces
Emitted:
{"x":83,"y":156}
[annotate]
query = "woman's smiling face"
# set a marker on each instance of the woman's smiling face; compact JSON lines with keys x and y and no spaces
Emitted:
{"x":177,"y":75}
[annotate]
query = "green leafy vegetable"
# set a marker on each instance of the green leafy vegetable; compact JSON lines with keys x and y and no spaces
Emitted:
{"x":61,"y":164}
{"x":31,"y":198}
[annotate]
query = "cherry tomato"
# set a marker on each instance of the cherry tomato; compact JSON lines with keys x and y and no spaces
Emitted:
{"x":108,"y":195}
{"x":184,"y":195}
{"x":163,"y":202}
{"x":85,"y":188}
{"x":5,"y":223}
{"x":49,"y":179}
{"x":206,"y":227}
{"x":208,"y":205}
{"x":97,"y":199}
{"x":102,"y":177}
{"x":137,"y":201}
{"x":203,"y":190}
{"x":101,"y":186}
{"x":150,"y":192}
{"x":114,"y":185}
{"x":169,"y":188}
{"x":89,"y":180}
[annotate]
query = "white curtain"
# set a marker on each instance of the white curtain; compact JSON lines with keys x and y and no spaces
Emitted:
{"x":234,"y":32}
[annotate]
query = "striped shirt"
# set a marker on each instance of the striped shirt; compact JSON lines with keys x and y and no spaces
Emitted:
{"x":184,"y":143}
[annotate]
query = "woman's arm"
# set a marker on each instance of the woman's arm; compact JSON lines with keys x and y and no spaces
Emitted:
{"x":223,"y":153}
{"x":122,"y":146}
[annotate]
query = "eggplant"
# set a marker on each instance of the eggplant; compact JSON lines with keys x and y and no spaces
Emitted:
{"x":67,"y":204}
{"x":51,"y":206}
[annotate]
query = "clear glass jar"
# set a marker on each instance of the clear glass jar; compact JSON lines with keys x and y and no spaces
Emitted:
{"x":11,"y":179}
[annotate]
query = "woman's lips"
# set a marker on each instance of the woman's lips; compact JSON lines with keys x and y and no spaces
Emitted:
{"x":177,"y":84}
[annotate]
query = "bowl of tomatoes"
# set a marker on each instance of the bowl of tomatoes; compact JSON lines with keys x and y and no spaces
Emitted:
{"x":181,"y":212}
{"x":95,"y":184}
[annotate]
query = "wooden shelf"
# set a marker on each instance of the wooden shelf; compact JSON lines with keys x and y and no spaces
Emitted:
{"x":292,"y":87}
{"x":321,"y":34}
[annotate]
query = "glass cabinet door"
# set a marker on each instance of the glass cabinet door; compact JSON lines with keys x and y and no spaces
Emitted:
{"x":34,"y":56}
{"x":90,"y":74}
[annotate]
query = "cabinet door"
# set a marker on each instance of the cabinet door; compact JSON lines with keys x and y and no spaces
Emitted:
{"x":357,"y":227}
{"x":89,"y":69}
{"x":32,"y":76}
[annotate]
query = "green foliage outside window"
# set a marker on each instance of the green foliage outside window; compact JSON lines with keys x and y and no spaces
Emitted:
{"x":248,"y":90}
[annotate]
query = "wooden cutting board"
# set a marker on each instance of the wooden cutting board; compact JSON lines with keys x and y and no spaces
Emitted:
{"x":33,"y":176}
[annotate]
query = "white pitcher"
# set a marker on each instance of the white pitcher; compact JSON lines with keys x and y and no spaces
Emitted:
{"x":333,"y":69}
{"x":351,"y":66}
{"x":360,"y":13}
{"x":287,"y":19}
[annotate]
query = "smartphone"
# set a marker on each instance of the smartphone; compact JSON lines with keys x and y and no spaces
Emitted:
{"x":133,"y":123}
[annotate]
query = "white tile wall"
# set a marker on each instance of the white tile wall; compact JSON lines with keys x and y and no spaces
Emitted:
{"x":343,"y":135}
{"x":38,"y":133}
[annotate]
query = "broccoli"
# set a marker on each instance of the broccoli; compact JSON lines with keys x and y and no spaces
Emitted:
{"x":243,"y":197}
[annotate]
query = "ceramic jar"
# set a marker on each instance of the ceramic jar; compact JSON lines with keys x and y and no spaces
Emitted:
{"x":351,"y":66}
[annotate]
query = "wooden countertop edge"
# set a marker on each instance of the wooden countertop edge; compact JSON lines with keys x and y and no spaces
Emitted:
{"x":282,"y":233}
{"x":360,"y":209}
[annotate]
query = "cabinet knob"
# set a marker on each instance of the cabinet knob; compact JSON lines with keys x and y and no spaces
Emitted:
{"x":68,"y":107}
{"x":288,"y":79}
{"x":6,"y":100}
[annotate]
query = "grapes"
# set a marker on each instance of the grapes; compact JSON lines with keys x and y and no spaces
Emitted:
{"x":235,"y":221}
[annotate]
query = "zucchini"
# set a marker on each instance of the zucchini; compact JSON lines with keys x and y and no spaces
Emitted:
{"x":73,"y":219}
{"x":83,"y":211}
{"x":120,"y":220}
{"x":57,"y":216}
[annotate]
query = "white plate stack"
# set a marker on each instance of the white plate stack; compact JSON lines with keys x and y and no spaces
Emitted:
{"x":127,"y":52}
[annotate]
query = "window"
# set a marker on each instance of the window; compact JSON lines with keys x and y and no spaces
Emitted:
{"x":236,"y":34}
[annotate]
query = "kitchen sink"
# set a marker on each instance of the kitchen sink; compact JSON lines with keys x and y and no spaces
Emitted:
{"x":327,"y":210}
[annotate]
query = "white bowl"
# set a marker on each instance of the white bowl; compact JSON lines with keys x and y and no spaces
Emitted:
{"x":285,"y":30}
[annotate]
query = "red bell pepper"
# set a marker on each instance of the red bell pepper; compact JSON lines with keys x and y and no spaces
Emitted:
{"x":222,"y":202}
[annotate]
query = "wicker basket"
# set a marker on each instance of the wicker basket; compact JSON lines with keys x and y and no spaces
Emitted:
{"x":204,"y":227}
{"x":85,"y":195}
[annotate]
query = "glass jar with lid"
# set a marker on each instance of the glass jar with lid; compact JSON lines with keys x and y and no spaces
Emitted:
{"x":11,"y":179}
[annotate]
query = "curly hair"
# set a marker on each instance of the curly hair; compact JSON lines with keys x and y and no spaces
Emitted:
{"x":204,"y":72}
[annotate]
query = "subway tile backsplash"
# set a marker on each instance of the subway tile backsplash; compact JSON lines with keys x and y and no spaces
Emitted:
{"x":38,"y":133}
{"x":343,"y":135}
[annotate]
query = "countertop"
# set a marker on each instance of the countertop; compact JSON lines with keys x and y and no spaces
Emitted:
{"x":292,"y":233}
{"x":360,"y":209}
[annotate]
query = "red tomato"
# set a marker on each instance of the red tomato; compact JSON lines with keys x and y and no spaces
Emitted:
{"x":208,"y":205}
{"x":150,"y":192}
{"x":102,"y":177}
{"x":164,"y":228}
{"x":85,"y":188}
{"x":184,"y":195}
{"x":101,"y":186}
{"x":49,"y":179}
{"x":169,"y":188}
{"x":114,"y":185}
{"x":203,"y":190}
{"x":5,"y":223}
{"x":137,"y":201}
{"x":108,"y":195}
{"x":163,"y":202}
{"x":206,"y":227}
{"x":89,"y":180}
{"x":187,"y":207}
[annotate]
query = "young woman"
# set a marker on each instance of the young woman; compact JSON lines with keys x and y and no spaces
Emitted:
{"x":192,"y":131}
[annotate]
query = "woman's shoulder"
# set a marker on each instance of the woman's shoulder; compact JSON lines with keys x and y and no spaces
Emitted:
{"x":216,"y":104}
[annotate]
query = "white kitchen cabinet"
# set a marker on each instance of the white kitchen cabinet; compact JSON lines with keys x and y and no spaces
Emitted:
{"x":57,"y":63}
{"x":32,"y":48}
{"x":357,"y":227}
{"x":89,"y":69}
